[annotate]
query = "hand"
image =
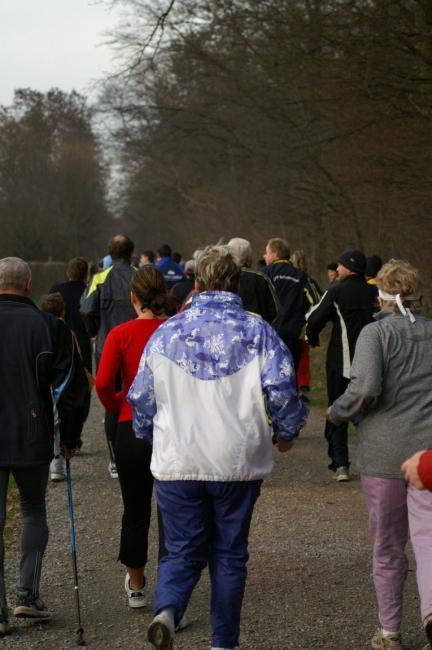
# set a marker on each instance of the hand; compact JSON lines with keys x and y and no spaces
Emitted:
{"x":410,"y":470}
{"x":328,"y":414}
{"x":67,"y":452}
{"x":284,"y":445}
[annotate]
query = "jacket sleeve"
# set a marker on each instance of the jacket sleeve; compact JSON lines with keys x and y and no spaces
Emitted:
{"x":90,"y":309}
{"x":108,"y":368}
{"x":318,"y":317}
{"x":271,"y":304}
{"x":142,"y":399}
{"x":286,"y":410}
{"x":365,"y":385}
{"x":425,"y":469}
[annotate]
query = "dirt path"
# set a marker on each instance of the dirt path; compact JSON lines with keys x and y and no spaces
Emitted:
{"x":308,"y":585}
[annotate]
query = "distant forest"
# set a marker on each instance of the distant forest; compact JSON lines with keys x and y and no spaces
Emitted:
{"x":306,"y":119}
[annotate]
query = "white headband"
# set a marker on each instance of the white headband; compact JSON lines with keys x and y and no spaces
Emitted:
{"x":398,"y":300}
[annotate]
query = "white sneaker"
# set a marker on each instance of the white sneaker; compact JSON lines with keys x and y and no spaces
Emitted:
{"x":135,"y":598}
{"x":112,"y":469}
{"x":342,"y":474}
{"x":56,"y":477}
{"x":161,"y":632}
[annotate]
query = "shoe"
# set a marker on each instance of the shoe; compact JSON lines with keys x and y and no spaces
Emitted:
{"x":161,"y":632}
{"x":341,"y":474}
{"x":4,"y":623}
{"x":28,"y":606}
{"x":428,"y":632}
{"x":381,"y":642}
{"x":112,"y":470}
{"x":57,"y":477}
{"x":135,"y":598}
{"x":183,"y":623}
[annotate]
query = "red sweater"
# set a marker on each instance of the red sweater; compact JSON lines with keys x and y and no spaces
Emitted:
{"x":425,"y":469}
{"x":122,"y":352}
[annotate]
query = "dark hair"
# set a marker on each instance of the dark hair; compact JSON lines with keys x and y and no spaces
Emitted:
{"x":53,"y":303}
{"x":373,"y":265}
{"x":150,"y":256}
{"x":164,"y":250}
{"x":120,"y":246}
{"x":148,"y":285}
{"x":332,"y":266}
{"x":77,"y":269}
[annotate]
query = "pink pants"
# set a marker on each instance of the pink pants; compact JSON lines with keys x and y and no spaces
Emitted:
{"x":395,"y":511}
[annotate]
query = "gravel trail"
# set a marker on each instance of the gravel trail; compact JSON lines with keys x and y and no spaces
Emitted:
{"x":309,"y":581}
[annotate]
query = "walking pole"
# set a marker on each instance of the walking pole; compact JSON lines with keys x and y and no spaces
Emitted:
{"x":80,"y":631}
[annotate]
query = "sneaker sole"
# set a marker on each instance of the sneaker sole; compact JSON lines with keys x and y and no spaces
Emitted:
{"x":136,"y":603}
{"x":342,"y":479}
{"x":159,"y":636}
{"x":29,"y":612}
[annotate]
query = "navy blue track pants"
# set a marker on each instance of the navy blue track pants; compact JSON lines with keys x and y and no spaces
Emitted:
{"x":206,"y":522}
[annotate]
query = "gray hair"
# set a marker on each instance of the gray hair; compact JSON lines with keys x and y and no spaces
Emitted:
{"x":242,"y":248}
{"x":217,"y":269}
{"x":14,"y":274}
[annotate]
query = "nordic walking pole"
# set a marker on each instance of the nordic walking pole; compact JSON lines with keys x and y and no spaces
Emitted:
{"x":80,"y":631}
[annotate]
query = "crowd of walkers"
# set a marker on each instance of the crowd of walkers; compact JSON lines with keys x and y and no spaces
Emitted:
{"x":202,"y":367}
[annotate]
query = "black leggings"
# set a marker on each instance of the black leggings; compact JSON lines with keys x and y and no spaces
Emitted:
{"x":32,"y":483}
{"x":133,"y":458}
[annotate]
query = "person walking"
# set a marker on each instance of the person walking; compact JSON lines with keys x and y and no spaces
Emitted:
{"x":207,"y":383}
{"x":36,"y":355}
{"x":71,"y":292}
{"x":349,"y":305}
{"x":171,"y":271}
{"x":256,"y":289}
{"x":121,"y":355}
{"x":391,"y":393}
{"x":289,"y":284}
{"x":105,"y":304}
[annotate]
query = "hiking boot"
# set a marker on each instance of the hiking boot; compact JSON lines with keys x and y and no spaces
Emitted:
{"x":135,"y":598}
{"x":381,"y":642}
{"x":4,"y":623}
{"x":112,"y":469}
{"x":161,"y":632}
{"x":28,"y":606}
{"x":428,"y":632}
{"x":341,"y":474}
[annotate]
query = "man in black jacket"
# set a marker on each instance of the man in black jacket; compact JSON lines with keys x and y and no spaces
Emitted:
{"x":289,"y":284}
{"x":349,"y":305}
{"x":35,"y":357}
{"x":256,"y":290}
{"x":105,"y":304}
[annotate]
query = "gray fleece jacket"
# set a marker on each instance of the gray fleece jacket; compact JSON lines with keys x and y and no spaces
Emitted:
{"x":391,"y":390}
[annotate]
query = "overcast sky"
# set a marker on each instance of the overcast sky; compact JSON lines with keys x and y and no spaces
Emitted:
{"x":52,"y":43}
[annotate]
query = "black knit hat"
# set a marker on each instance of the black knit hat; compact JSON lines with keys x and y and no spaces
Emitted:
{"x":355,"y":261}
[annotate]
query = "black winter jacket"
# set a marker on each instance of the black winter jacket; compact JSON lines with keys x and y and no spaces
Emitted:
{"x":36,"y":353}
{"x":289,"y":283}
{"x":349,"y":304}
{"x":258,"y":295}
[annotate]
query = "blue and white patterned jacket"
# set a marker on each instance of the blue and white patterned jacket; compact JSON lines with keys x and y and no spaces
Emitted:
{"x":208,"y":380}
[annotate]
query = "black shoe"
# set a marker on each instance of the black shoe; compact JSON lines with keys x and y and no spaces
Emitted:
{"x":4,"y":623}
{"x":28,"y":606}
